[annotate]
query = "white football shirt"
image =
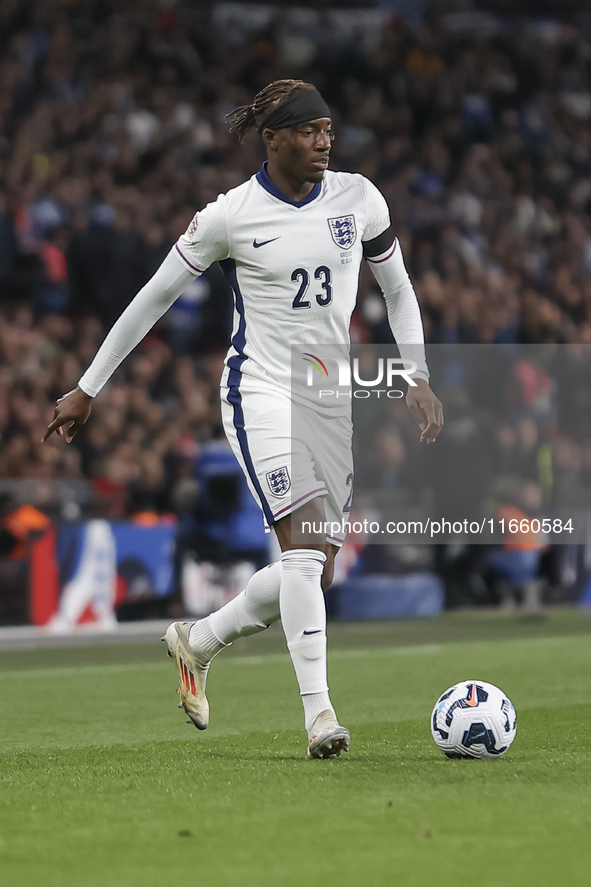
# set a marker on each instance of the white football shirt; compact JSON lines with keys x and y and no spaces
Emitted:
{"x":293,"y":266}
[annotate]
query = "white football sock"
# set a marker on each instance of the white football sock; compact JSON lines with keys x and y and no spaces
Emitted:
{"x":315,"y":704}
{"x":204,"y":643}
{"x":303,"y":615}
{"x":253,"y":610}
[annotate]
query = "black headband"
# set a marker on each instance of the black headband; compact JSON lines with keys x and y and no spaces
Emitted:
{"x":302,"y":106}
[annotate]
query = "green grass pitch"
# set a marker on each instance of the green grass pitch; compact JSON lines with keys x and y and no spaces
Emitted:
{"x":102,"y":782}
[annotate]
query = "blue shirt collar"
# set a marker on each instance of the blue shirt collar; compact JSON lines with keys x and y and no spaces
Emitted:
{"x":269,"y":185}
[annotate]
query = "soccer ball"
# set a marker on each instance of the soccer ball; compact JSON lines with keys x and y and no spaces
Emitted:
{"x":473,"y":719}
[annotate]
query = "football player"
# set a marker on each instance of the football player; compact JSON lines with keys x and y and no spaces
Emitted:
{"x":290,"y":241}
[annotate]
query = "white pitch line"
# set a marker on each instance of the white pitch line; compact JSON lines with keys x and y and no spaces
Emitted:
{"x":271,"y":659}
{"x":71,"y":670}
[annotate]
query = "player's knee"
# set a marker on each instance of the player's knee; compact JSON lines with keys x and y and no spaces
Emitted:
{"x":306,"y":526}
{"x":309,"y":520}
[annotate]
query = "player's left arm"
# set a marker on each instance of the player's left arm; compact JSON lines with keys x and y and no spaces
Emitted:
{"x":384,"y":256}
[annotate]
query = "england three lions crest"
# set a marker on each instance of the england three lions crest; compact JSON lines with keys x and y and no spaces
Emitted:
{"x":279,"y":481}
{"x":344,"y":231}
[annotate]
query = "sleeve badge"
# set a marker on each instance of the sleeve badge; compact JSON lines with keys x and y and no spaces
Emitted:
{"x":192,"y":229}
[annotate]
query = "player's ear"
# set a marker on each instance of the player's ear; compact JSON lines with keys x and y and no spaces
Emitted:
{"x":270,"y":139}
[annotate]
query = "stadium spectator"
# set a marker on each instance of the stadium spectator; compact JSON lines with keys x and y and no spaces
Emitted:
{"x":112,"y":132}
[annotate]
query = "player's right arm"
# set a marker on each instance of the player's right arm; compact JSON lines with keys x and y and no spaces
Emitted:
{"x":204,"y":243}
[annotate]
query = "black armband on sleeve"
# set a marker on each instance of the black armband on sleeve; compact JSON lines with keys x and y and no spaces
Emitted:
{"x":379,"y":244}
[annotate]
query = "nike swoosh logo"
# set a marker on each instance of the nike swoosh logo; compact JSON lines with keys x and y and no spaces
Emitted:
{"x":315,"y":631}
{"x":473,"y":700}
{"x":263,"y":242}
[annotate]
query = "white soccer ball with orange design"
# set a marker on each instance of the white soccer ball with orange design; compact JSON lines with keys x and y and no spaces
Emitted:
{"x":474,"y":719}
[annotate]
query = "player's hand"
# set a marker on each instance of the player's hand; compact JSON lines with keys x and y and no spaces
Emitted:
{"x":72,"y":410}
{"x":426,"y":409}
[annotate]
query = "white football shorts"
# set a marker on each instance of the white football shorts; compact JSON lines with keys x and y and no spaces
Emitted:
{"x":290,"y":454}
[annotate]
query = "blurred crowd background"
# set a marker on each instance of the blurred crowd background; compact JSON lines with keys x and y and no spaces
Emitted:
{"x":476,"y":127}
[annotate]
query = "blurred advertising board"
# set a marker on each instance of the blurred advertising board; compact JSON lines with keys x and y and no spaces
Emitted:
{"x":81,"y":572}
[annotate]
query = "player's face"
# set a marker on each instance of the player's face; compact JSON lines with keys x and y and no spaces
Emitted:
{"x":303,"y":152}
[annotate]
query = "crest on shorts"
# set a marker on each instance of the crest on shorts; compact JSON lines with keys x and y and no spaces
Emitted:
{"x":279,"y":481}
{"x":344,"y":231}
{"x":191,"y":230}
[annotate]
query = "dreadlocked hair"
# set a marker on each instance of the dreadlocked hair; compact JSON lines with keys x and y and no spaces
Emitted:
{"x":247,"y":117}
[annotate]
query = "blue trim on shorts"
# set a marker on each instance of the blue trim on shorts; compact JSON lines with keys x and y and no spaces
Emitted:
{"x":235,"y":362}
